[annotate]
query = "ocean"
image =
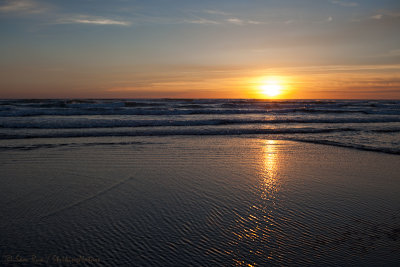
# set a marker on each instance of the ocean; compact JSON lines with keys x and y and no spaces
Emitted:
{"x":361,"y":124}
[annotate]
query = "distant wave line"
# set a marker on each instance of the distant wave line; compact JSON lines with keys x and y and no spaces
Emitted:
{"x":37,"y":112}
{"x":108,"y":123}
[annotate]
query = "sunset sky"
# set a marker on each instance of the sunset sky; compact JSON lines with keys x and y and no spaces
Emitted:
{"x":208,"y":49}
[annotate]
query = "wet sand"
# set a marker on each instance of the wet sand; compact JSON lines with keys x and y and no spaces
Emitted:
{"x":198,"y":201}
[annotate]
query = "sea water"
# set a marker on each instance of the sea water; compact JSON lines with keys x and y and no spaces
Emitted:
{"x":362,"y":124}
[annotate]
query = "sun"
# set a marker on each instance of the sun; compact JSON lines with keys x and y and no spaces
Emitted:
{"x":271,"y":88}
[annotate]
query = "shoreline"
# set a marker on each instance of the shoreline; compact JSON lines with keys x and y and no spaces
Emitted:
{"x":27,"y":144}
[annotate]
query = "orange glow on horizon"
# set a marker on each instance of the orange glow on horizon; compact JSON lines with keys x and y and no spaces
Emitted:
{"x":322,"y":82}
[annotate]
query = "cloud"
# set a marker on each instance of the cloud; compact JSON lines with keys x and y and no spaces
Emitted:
{"x":22,"y":6}
{"x":82,"y":19}
{"x":386,"y":14}
{"x":343,"y":68}
{"x":254,"y":22}
{"x":202,"y":21}
{"x":217,"y":17}
{"x":237,"y":21}
{"x":344,"y":3}
{"x":216,"y":12}
{"x":377,"y":16}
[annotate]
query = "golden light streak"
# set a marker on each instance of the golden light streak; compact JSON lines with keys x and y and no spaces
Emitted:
{"x":270,"y":183}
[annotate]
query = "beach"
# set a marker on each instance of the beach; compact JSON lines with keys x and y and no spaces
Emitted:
{"x":197,"y":200}
{"x":199,"y":133}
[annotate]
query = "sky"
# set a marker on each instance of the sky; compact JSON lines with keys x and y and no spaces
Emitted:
{"x":310,"y":49}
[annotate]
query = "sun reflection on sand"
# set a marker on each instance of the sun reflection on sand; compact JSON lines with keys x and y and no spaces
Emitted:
{"x":258,"y":226}
{"x":270,"y":182}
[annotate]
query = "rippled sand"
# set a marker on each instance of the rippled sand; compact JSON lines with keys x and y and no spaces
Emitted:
{"x":199,"y":201}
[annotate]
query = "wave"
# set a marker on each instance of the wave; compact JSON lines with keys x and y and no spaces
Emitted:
{"x":348,"y":123}
{"x":387,"y":150}
{"x":387,"y":130}
{"x":146,"y":132}
{"x":31,"y":112}
{"x":85,"y":123}
{"x":160,"y":107}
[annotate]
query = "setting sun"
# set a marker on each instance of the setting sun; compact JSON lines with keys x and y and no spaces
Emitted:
{"x":271,"y":88}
